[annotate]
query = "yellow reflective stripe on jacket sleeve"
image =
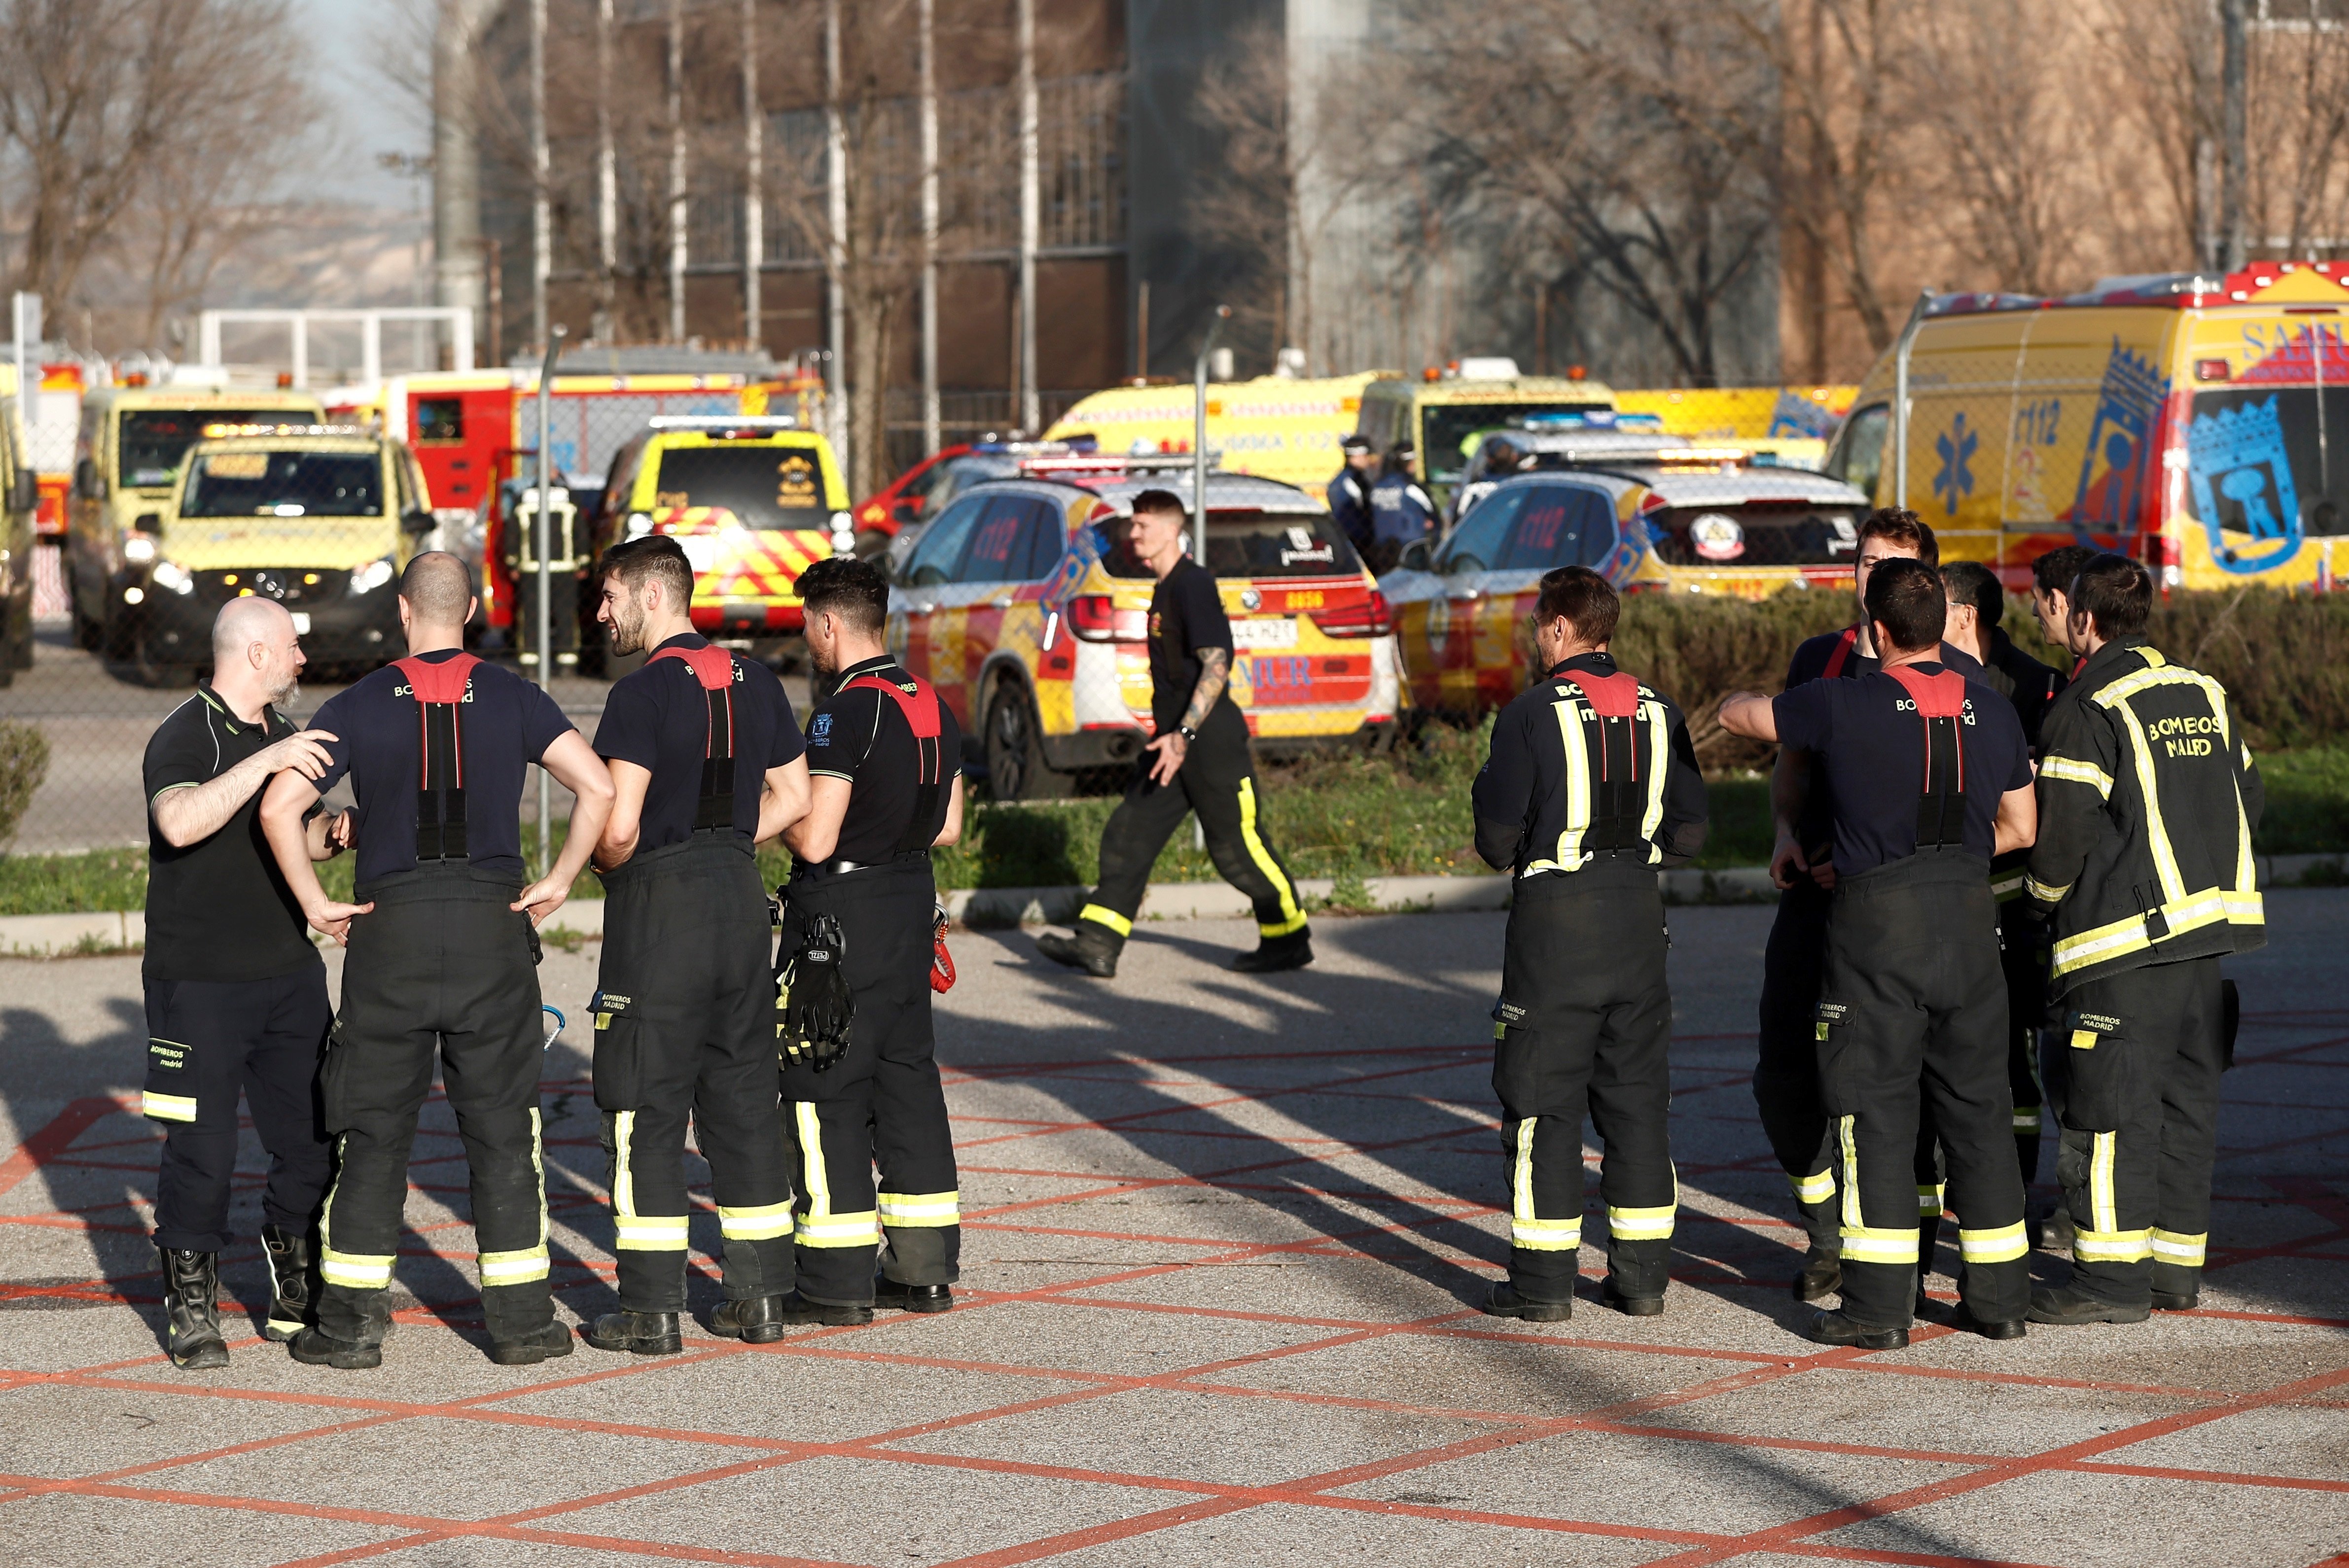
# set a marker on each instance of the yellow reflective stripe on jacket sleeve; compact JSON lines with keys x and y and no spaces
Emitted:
{"x":2044,"y":892}
{"x":2000,"y":1245}
{"x":2069,"y":770}
{"x":1108,"y":917}
{"x":909,"y":1211}
{"x":2027,"y":1119}
{"x":1292,"y":918}
{"x":758,"y":1223}
{"x":167,"y":1107}
{"x":1817,"y":1188}
{"x":2172,"y":1247}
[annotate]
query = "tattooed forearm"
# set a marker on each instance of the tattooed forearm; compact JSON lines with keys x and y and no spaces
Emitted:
{"x":1214,"y":670}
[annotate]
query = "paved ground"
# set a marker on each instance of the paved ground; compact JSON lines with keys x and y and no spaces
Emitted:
{"x":1223,"y":1239}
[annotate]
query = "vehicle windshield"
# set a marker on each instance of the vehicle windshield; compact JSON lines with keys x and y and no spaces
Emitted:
{"x":763,"y":486}
{"x":1448,"y":432}
{"x":2269,"y":466}
{"x":957,"y":476}
{"x":1252,"y":545}
{"x":285,"y":484}
{"x":151,"y":442}
{"x":1759,"y":533}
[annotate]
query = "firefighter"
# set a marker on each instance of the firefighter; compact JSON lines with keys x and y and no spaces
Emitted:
{"x":443,"y":944}
{"x":1785,"y":1073}
{"x":2051,"y":587}
{"x":1928,"y":778}
{"x":1591,"y":784}
{"x":235,"y":994}
{"x":1401,"y":513}
{"x":1349,"y":493}
{"x":706,"y":761}
{"x":2148,"y":800}
{"x":1198,"y":760}
{"x":1976,"y":602}
{"x":884,"y":761}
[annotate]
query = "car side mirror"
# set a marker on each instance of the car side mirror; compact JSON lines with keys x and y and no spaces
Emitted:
{"x":419,"y":521}
{"x":86,"y":482}
{"x":1414,"y":556}
{"x":25,"y":495}
{"x":149,"y":522}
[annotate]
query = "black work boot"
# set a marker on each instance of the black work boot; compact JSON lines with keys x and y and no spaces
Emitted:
{"x":1835,"y":1328}
{"x":191,"y":1307}
{"x":755,"y":1320}
{"x":641,"y":1333}
{"x":1820,"y":1276}
{"x":291,"y":1302}
{"x":1612,"y":1295}
{"x":1961,"y":1318}
{"x":531,"y":1348}
{"x":1091,"y":949}
{"x":797,"y":1308}
{"x":2175,"y":1301}
{"x":1275,"y":954}
{"x":316,"y":1347}
{"x":897,"y":1296}
{"x":1504,"y":1302}
{"x":2069,"y":1306}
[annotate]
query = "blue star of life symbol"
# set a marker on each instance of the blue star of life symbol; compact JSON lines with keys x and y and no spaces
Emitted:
{"x":1956,"y":479}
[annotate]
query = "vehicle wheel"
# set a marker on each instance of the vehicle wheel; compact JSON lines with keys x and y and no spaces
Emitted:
{"x":148,"y":665}
{"x":1016,"y":768}
{"x":89,"y":634}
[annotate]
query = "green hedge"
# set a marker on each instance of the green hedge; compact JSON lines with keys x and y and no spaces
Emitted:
{"x":23,"y":763}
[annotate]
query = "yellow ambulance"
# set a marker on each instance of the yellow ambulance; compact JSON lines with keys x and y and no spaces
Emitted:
{"x":1447,"y":413}
{"x":1275,"y":426}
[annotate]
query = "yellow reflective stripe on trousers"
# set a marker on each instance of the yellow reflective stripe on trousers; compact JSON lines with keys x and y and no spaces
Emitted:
{"x":352,"y":1271}
{"x":1527,"y":1229}
{"x":1863,"y":1243}
{"x":2102,"y":1240}
{"x":1645,"y":1224}
{"x":1108,"y":917}
{"x":1817,"y":1188}
{"x":2172,"y":1247}
{"x":637,"y":1232}
{"x":760,"y":1223}
{"x":1291,"y":917}
{"x":2103,"y":1212}
{"x":167,"y":1107}
{"x":2111,"y":1246}
{"x":2027,"y":1120}
{"x":820,"y":1227}
{"x":839,"y":1231}
{"x":910,"y":1211}
{"x":527,"y":1264}
{"x":2004,"y":1245}
{"x":1929,"y":1202}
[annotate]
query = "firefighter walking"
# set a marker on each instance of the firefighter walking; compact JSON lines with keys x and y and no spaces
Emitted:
{"x":2147,"y":798}
{"x":1930,"y":779}
{"x":1591,"y":785}
{"x":706,"y":762}
{"x":443,"y":947}
{"x":860,"y":1078}
{"x":1197,"y":761}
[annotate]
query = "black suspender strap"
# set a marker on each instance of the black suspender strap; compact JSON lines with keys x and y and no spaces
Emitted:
{"x":441,"y":691}
{"x":1940,"y":704}
{"x":920,"y":705}
{"x":713,"y":670}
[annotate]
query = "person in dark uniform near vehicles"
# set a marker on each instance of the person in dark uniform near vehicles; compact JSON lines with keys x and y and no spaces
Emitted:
{"x":2147,"y":801}
{"x":1930,"y":778}
{"x":2051,"y":589}
{"x":1349,"y":493}
{"x":706,"y":762}
{"x":1785,"y":1073}
{"x":1198,"y":762}
{"x":1401,"y":513}
{"x":1976,"y":603}
{"x":883,"y":764}
{"x":235,"y":992}
{"x":444,"y":948}
{"x":1591,"y":785}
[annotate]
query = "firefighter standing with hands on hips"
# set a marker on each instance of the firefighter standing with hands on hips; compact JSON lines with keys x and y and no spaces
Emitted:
{"x":443,"y":955}
{"x":1930,"y":779}
{"x":2148,"y":801}
{"x":1591,"y":785}
{"x":706,"y":762}
{"x":860,"y":945}
{"x":1197,"y":761}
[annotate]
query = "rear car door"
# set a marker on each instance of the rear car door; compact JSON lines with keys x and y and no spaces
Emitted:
{"x":970,"y":613}
{"x":931,"y":570}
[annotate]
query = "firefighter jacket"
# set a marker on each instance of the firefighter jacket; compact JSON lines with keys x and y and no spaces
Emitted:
{"x":1588,"y":762}
{"x":2148,"y":798}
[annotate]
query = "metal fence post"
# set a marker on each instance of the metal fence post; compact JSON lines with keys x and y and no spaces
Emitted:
{"x":542,"y":527}
{"x":1900,"y":398}
{"x":1199,"y":482}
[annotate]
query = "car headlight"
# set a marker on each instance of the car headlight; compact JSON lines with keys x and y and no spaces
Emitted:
{"x":843,"y":534}
{"x":640,"y":524}
{"x":172,"y":576}
{"x":371,"y":576}
{"x":138,"y":548}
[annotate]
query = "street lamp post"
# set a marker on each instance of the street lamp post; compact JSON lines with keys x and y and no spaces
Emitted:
{"x":543,"y":528}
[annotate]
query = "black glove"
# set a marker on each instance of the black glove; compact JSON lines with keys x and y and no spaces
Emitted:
{"x":813,"y":1006}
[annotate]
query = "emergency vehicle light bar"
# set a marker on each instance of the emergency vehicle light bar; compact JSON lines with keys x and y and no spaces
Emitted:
{"x":740,"y":426}
{"x":1093,"y":463}
{"x":1617,"y":457}
{"x":221,"y":432}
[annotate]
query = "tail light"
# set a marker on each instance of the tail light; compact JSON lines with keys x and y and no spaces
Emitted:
{"x":1366,"y":618}
{"x":1644,"y":587}
{"x":1096,"y":618}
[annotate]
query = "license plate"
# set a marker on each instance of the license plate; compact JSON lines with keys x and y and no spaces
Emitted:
{"x":1279,"y":634}
{"x":301,"y":623}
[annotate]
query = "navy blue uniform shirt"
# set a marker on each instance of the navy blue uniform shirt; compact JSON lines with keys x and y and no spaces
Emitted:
{"x":1871,"y":749}
{"x":506,"y":725}
{"x":861,"y":738}
{"x":658,"y":718}
{"x":1812,"y":661}
{"x":1186,"y":617}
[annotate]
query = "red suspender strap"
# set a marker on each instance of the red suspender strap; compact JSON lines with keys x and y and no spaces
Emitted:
{"x":923,"y":713}
{"x":714,"y":670}
{"x":440,"y":692}
{"x":1940,"y":703}
{"x":1842,"y":653}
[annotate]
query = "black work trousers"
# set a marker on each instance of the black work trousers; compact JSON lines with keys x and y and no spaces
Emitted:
{"x":685,"y":1023}
{"x":207,"y":1042}
{"x":880,"y":1101}
{"x":1911,"y":1022}
{"x":1585,"y":1024}
{"x":2023,"y":956}
{"x":2133,"y":1074}
{"x":441,"y":966}
{"x":1218,"y":780}
{"x":1787,"y":1069}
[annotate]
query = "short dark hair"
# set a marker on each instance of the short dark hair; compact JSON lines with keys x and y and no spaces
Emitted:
{"x":655,"y":558}
{"x":2115,"y":593}
{"x":854,"y":590}
{"x":1159,"y":503}
{"x":1582,"y":597}
{"x":438,"y":587}
{"x":1972,"y":583}
{"x":1903,"y":528}
{"x":1906,"y":597}
{"x":2053,"y":572}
